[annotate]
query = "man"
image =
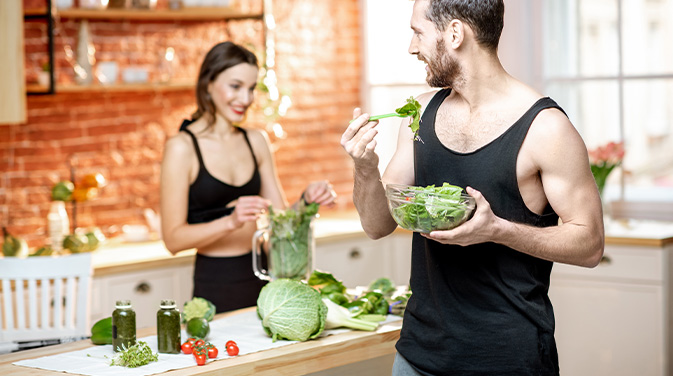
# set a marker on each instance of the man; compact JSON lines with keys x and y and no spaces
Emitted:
{"x":480,"y":303}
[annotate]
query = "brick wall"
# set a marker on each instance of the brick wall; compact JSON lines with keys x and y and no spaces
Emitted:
{"x":121,"y":133}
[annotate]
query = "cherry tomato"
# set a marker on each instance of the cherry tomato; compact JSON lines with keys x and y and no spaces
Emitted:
{"x":230,"y":343}
{"x":191,"y":339}
{"x":187,"y":347}
{"x":199,"y":342}
{"x":212,"y":352}
{"x":200,"y":359}
{"x":232,"y":350}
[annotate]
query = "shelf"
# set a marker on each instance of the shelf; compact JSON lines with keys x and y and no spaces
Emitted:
{"x":174,"y":86}
{"x":32,"y":12}
{"x":169,"y":15}
{"x":184,"y":14}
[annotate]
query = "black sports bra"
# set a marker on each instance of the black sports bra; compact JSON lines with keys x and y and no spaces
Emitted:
{"x":209,"y":196}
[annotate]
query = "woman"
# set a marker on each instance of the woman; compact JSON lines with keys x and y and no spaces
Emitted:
{"x":218,"y":178}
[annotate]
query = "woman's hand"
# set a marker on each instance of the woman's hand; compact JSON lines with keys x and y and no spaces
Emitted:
{"x":320,"y":192}
{"x":248,"y":209}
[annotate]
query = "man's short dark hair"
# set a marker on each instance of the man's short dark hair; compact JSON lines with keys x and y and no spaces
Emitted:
{"x":485,"y":17}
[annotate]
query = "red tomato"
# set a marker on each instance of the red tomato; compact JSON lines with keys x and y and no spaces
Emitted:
{"x":232,"y":350}
{"x":230,"y":343}
{"x":200,"y":359}
{"x":187,"y":347}
{"x":199,"y":342}
{"x":212,"y":352}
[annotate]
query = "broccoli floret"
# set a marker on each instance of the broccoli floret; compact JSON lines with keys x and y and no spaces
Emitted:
{"x":198,"y":307}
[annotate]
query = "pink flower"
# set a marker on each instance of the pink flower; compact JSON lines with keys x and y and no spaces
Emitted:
{"x":611,"y":153}
{"x":603,"y":160}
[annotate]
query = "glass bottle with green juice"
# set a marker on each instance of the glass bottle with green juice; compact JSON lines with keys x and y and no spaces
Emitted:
{"x":123,"y":326}
{"x":168,"y":327}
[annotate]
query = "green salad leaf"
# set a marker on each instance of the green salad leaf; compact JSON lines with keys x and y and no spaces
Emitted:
{"x":431,"y":207}
{"x":379,"y":299}
{"x":383,"y":285}
{"x":410,"y":109}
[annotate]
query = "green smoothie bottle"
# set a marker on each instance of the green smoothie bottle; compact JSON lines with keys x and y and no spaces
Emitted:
{"x":123,"y":326}
{"x":168,"y":327}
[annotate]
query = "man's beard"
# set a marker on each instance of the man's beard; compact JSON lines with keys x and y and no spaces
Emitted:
{"x":444,"y":70}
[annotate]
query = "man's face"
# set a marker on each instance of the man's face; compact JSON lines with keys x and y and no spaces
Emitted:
{"x":428,"y":45}
{"x":443,"y":69}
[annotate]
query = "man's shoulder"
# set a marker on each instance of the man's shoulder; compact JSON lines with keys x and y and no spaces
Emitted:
{"x":425,"y":97}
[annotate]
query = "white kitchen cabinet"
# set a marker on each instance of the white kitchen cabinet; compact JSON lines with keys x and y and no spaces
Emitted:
{"x":615,"y":319}
{"x":358,"y":260}
{"x":145,"y":289}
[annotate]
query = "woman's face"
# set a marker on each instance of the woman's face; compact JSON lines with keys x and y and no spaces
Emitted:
{"x":232,"y":91}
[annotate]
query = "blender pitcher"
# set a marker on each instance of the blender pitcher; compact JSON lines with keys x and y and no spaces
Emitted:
{"x":290,"y":242}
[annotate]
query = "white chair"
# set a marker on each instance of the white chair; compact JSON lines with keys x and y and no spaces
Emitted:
{"x":44,"y":298}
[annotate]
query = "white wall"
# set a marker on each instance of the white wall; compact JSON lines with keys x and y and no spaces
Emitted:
{"x":520,"y":45}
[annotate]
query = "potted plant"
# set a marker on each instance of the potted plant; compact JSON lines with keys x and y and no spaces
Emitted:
{"x":603,"y":160}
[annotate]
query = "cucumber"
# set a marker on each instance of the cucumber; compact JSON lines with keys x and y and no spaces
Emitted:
{"x":101,"y":332}
{"x":101,"y":338}
{"x":102,"y":325}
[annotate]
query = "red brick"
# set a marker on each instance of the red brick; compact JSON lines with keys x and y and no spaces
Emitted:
{"x":122,"y":133}
{"x":35,"y":149}
{"x":6,"y":133}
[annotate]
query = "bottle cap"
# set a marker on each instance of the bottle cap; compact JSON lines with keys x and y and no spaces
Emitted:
{"x":167,"y":303}
{"x":123,"y":304}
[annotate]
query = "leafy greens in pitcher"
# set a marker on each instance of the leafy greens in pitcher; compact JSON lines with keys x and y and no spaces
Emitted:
{"x":289,"y":241}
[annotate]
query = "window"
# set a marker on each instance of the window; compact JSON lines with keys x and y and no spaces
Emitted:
{"x":391,"y":74}
{"x":609,"y":64}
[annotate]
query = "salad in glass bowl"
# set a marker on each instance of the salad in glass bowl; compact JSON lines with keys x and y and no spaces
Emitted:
{"x":431,"y":208}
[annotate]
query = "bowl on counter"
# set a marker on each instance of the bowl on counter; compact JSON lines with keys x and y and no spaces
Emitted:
{"x":424,"y":210}
{"x":135,"y":233}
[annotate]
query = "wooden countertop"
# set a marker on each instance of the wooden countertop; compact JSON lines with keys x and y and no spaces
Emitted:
{"x":294,"y":359}
{"x":117,"y":256}
{"x":638,"y":232}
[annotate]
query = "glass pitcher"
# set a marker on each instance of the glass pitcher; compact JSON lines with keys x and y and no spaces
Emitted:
{"x":290,"y":243}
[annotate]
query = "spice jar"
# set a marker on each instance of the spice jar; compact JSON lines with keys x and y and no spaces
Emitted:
{"x":168,"y":327}
{"x":123,"y":326}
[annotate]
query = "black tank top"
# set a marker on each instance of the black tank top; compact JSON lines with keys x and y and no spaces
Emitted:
{"x":481,"y":309}
{"x":209,"y":196}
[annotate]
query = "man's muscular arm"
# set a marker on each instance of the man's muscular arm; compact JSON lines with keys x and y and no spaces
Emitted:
{"x":559,"y":153}
{"x":368,"y":193}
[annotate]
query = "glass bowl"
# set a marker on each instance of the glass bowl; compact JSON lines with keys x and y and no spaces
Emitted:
{"x":422,"y":210}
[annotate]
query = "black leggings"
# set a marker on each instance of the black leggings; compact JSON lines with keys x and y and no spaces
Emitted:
{"x":228,"y":282}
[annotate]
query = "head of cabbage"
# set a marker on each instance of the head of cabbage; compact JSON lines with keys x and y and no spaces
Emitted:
{"x":291,"y":310}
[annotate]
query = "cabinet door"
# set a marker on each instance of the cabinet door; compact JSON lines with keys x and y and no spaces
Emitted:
{"x":356,"y":262}
{"x":144,"y":289}
{"x":608,"y":329}
{"x":610,"y":320}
